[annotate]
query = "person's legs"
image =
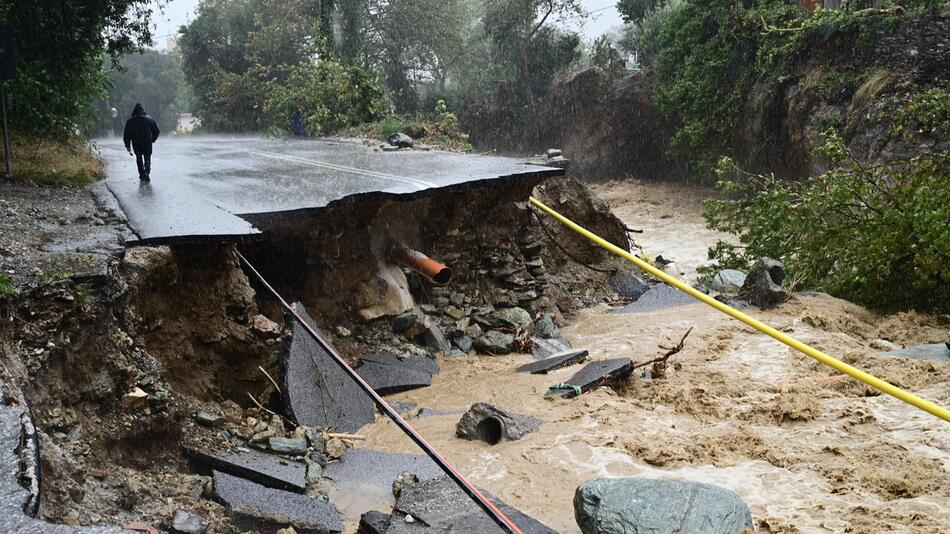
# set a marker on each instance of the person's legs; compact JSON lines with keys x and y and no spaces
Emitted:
{"x":148,"y":165}
{"x":140,"y":163}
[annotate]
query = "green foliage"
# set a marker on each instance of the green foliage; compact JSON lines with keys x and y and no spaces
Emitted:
{"x":875,"y":235}
{"x":60,"y":50}
{"x":924,"y":114}
{"x":54,"y":161}
{"x":6,"y":286}
{"x":328,"y":95}
{"x":253,"y":64}
{"x":148,"y":77}
{"x":636,"y":10}
{"x":710,"y":53}
{"x":648,"y":38}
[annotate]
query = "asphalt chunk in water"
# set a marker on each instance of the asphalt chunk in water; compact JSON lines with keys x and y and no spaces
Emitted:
{"x":363,"y":479}
{"x":316,"y":392}
{"x":255,"y":507}
{"x":594,"y":374}
{"x":938,"y":352}
{"x":439,"y":505}
{"x":388,"y":374}
{"x":554,"y":361}
{"x":266,"y":469}
{"x":659,"y":297}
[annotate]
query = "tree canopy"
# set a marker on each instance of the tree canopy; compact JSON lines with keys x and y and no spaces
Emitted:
{"x":61,"y":49}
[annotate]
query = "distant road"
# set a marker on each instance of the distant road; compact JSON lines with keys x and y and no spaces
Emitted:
{"x":200,"y":185}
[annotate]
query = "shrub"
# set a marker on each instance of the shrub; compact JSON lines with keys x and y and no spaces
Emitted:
{"x":924,"y":114}
{"x":877,"y":235}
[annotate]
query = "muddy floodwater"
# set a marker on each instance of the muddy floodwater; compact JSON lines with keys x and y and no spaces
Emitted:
{"x":809,"y":450}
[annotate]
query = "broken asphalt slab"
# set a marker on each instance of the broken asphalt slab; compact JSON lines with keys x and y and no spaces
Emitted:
{"x":659,"y":297}
{"x":554,"y":362}
{"x":439,"y":505}
{"x":594,"y":374}
{"x":16,"y":430}
{"x":211,"y":188}
{"x":255,"y":507}
{"x":316,"y":392}
{"x":363,"y":479}
{"x":265,"y":469}
{"x":388,"y":374}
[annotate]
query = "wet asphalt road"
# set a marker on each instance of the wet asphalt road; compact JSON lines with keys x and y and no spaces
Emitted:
{"x":201,"y":185}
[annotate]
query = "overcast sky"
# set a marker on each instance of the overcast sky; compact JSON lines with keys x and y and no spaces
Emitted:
{"x":603,"y":17}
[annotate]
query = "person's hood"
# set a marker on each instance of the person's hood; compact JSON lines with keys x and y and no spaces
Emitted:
{"x":139,"y":110}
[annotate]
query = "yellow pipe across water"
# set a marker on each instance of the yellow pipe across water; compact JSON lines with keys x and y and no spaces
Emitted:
{"x":812,"y":352}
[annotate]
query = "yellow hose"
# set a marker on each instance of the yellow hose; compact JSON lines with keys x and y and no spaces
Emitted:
{"x":854,"y":372}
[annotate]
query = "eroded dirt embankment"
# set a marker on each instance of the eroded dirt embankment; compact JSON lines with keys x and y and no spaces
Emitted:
{"x":116,"y":365}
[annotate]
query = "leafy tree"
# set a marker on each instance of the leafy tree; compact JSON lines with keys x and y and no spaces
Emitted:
{"x":253,"y":64}
{"x":635,"y":10}
{"x":149,"y":77}
{"x":872,"y":234}
{"x":60,"y":46}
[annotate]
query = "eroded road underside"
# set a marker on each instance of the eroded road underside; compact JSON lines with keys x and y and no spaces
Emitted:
{"x":146,"y":379}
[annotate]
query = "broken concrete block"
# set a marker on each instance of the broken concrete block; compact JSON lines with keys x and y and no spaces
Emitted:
{"x":728,"y":281}
{"x":296,"y":447}
{"x":545,"y":348}
{"x":439,"y":506}
{"x":554,"y":361}
{"x":658,"y":297}
{"x":185,"y":522}
{"x":373,"y":522}
{"x":267,"y":469}
{"x":491,"y":424}
{"x":315,"y":390}
{"x":763,"y":285}
{"x":388,"y":374}
{"x":596,"y":373}
{"x":253,"y":506}
{"x":495,"y":342}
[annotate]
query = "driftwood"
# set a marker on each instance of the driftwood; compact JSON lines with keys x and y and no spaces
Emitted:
{"x":660,"y":363}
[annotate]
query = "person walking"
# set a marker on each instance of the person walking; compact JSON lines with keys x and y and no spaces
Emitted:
{"x":140,"y":132}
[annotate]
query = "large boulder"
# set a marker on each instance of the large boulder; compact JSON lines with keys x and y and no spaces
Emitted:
{"x":643,"y":506}
{"x":763,"y":285}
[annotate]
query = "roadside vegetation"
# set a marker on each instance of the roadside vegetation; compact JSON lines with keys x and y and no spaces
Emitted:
{"x":875,"y":234}
{"x":54,"y":161}
{"x":62,"y":53}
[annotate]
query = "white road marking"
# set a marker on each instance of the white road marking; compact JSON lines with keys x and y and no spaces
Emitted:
{"x":421,"y":184}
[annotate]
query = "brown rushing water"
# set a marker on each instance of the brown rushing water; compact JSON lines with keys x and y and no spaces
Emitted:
{"x":807,"y":449}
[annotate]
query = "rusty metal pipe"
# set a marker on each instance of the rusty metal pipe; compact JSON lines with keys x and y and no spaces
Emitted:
{"x":436,"y":271}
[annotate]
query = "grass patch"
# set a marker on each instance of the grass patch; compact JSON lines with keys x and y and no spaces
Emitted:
{"x":53,"y":162}
{"x":6,"y":286}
